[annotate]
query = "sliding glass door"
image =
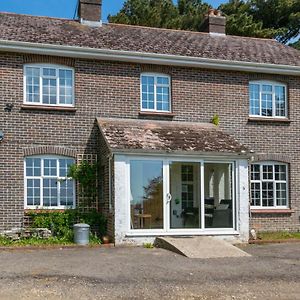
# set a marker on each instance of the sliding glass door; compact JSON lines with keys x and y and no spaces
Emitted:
{"x":218,"y":195}
{"x":185,"y":191}
{"x":181,"y":195}
{"x":146,"y":194}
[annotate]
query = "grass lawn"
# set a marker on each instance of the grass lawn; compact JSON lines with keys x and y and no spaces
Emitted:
{"x":282,"y":235}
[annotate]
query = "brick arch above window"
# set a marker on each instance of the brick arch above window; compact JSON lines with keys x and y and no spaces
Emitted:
{"x":55,"y":150}
{"x":46,"y":59}
{"x":156,"y":69}
{"x":271,"y":157}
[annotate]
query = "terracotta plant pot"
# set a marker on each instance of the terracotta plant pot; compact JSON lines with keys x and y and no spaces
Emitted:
{"x":105,"y":240}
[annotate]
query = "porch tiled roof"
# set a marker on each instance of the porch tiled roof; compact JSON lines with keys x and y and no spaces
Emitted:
{"x":135,"y":135}
{"x":45,"y":30}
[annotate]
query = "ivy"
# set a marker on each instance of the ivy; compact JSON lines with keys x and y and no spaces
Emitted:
{"x":86,"y":175}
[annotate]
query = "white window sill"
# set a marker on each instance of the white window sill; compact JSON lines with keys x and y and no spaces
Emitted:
{"x":271,"y":210}
{"x":156,"y":113}
{"x":44,"y":209}
{"x":268,"y":119}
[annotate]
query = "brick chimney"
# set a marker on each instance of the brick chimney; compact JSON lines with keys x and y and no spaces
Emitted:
{"x":214,"y":22}
{"x":89,"y":12}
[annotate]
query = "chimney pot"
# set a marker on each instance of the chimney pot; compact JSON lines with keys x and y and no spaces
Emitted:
{"x":214,"y":22}
{"x":90,"y":11}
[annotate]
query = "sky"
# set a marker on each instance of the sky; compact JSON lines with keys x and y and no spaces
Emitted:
{"x":63,"y":8}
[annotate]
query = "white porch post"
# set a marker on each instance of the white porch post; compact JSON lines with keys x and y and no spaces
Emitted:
{"x":243,"y":203}
{"x":121,"y":198}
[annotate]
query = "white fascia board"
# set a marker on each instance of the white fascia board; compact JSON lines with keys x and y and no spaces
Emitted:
{"x":146,"y":58}
{"x":194,"y":154}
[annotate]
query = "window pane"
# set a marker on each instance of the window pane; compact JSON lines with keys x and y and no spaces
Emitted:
{"x":65,"y":86}
{"x":254,"y":99}
{"x":50,"y":192}
{"x":148,"y":92}
{"x":267,"y":88}
{"x":33,"y":192}
{"x":280,"y":101}
{"x":163,"y":80}
{"x":66,"y":193}
{"x":255,"y":172}
{"x":255,"y":194}
{"x":266,"y":105}
{"x":267,"y":194}
{"x":49,"y":91}
{"x":64,"y":165}
{"x":33,"y":167}
{"x":50,"y":167}
{"x":267,"y":171}
{"x":163,"y":98}
{"x":49,"y":72}
{"x":280,"y":172}
{"x":32,"y":84}
{"x":218,"y":195}
{"x":281,"y":196}
{"x":146,"y":194}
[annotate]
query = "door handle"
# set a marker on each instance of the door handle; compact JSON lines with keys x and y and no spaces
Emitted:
{"x":169,"y":198}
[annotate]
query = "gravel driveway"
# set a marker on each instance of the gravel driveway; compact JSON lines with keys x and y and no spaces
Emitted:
{"x":273,"y":272}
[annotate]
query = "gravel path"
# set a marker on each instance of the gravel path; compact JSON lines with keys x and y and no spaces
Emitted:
{"x":273,"y":272}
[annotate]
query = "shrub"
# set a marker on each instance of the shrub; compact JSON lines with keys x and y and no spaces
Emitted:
{"x":61,"y":223}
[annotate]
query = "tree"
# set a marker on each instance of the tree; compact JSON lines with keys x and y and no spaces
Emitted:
{"x":187,"y":15}
{"x":191,"y":14}
{"x":153,"y":13}
{"x":279,"y":19}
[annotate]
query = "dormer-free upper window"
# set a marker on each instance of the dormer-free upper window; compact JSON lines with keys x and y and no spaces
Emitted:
{"x":155,"y":92}
{"x":268,"y":99}
{"x":48,"y":85}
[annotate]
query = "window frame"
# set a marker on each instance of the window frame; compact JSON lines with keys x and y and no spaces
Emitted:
{"x":41,"y":177}
{"x":274,"y":181}
{"x":273,"y":84}
{"x":50,"y":66}
{"x":155,"y":75}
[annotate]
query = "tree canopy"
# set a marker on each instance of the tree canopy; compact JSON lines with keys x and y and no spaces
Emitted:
{"x":279,"y":19}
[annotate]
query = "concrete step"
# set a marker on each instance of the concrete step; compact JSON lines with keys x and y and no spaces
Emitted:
{"x":200,"y":247}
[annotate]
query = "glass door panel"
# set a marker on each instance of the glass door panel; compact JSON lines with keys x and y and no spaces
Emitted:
{"x":185,"y":186}
{"x":218,"y":195}
{"x":146,"y":194}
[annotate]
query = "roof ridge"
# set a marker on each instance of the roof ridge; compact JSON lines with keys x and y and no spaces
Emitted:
{"x":188,"y":31}
{"x":35,"y":16}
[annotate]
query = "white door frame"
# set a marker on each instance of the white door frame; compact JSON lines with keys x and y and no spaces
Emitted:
{"x":166,"y":161}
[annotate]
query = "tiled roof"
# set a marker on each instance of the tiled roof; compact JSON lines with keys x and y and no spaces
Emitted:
{"x":166,"y":136}
{"x":47,"y":30}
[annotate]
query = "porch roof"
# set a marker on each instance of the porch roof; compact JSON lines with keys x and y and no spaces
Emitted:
{"x":135,"y":135}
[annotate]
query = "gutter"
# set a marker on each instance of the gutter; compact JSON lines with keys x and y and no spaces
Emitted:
{"x":151,"y":152}
{"x":146,"y":58}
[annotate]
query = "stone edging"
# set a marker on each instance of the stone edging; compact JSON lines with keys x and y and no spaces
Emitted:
{"x":54,"y":247}
{"x":260,"y":242}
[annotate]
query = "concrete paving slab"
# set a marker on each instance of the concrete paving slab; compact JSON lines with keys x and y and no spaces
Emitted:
{"x":200,"y":247}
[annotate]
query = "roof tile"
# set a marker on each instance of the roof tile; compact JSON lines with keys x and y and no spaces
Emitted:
{"x":166,"y":136}
{"x":144,"y":39}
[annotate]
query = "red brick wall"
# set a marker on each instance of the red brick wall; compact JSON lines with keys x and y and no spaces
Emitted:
{"x":108,"y":89}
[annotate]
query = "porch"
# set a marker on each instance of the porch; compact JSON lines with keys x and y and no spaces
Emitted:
{"x":176,"y":178}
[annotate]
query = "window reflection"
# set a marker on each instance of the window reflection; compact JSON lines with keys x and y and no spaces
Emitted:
{"x":146,"y":194}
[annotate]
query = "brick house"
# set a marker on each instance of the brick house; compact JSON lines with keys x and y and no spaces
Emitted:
{"x":140,"y":101}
